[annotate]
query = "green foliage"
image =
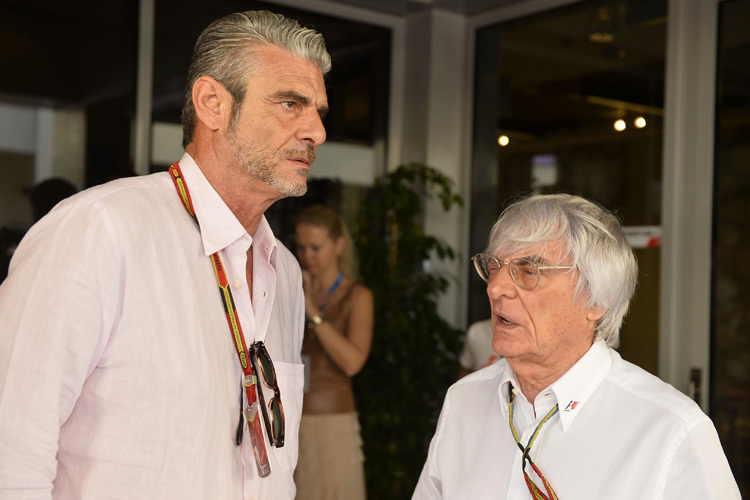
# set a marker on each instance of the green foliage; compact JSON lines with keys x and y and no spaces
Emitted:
{"x":414,"y":352}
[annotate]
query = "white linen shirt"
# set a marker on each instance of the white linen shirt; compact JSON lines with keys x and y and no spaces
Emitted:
{"x":621,"y":433}
{"x":118,"y":374}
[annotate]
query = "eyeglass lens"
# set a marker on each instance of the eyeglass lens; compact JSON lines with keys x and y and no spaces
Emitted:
{"x":523,"y":272}
{"x":275,"y":417}
{"x":266,"y":367}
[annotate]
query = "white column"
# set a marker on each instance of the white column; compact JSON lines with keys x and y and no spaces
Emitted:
{"x":445,"y":151}
{"x":43,"y":143}
{"x":684,"y":326}
{"x":144,"y":89}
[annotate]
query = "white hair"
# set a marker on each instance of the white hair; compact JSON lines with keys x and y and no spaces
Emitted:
{"x":607,"y":267}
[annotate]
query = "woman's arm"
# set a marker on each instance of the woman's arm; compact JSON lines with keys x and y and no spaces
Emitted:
{"x":350,"y":352}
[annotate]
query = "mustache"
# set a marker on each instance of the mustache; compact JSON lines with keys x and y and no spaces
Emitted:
{"x":308,"y":154}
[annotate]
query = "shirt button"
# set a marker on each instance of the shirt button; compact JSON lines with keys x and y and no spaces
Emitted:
{"x":237,"y":285}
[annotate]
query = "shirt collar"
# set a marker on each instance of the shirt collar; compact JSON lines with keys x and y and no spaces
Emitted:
{"x":572,"y":390}
{"x":219,"y":226}
{"x":507,"y":376}
{"x":265,"y":240}
{"x":576,"y":386}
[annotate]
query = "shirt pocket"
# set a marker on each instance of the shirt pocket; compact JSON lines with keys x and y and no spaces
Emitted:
{"x":291,"y":378}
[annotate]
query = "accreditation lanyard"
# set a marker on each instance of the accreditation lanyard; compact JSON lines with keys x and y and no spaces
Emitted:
{"x":331,"y":291}
{"x":536,"y":494}
{"x":250,"y":380}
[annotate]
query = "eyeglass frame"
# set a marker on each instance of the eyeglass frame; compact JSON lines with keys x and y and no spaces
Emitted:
{"x":478,"y":267}
{"x":260,"y":373}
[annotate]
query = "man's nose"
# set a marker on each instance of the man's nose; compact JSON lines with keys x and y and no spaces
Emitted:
{"x":501,"y":284}
{"x":312,"y":130}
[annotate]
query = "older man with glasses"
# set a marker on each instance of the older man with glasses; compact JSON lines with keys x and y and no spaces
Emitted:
{"x":563,"y":415}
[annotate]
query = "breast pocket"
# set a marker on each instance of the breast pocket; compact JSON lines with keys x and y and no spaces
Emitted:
{"x":291,"y":377}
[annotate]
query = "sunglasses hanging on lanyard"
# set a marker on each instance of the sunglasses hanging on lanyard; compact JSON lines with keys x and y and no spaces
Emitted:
{"x":274,"y":422}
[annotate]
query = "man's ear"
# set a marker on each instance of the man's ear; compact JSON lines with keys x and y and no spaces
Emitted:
{"x":595,"y":313}
{"x":212,"y":102}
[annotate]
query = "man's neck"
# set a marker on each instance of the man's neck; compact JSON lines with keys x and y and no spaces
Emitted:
{"x":535,"y":375}
{"x":247,"y":200}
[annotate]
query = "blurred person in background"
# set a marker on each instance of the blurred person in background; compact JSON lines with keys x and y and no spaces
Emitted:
{"x":477,"y":352}
{"x":337,"y":342}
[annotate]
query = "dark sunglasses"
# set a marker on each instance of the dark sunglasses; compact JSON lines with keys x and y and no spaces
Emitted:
{"x":273,"y":414}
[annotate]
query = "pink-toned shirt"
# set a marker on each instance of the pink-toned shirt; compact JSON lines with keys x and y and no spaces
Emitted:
{"x":118,"y":374}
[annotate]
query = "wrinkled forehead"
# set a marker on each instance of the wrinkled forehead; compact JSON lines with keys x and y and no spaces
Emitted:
{"x":550,"y":250}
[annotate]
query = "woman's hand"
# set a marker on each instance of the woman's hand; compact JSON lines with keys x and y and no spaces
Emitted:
{"x":310,"y":307}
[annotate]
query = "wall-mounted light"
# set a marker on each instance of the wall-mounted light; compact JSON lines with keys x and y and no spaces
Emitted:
{"x":620,"y":125}
{"x":639,"y":122}
{"x":503,"y":141}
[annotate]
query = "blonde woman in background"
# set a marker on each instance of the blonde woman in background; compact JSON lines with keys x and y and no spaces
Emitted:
{"x":338,"y":336}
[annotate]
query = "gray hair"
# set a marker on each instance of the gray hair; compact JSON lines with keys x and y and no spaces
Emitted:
{"x":224,"y":51}
{"x":607,"y":268}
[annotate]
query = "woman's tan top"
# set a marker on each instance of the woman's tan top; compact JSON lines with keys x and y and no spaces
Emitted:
{"x":330,"y":389}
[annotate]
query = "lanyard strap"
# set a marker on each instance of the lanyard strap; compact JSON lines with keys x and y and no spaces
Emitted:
{"x":527,"y":449}
{"x":221,"y":278}
{"x":330,"y":291}
{"x":250,"y":379}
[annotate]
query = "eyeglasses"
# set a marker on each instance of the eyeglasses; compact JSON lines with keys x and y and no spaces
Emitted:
{"x":524,"y":272}
{"x":273,"y":416}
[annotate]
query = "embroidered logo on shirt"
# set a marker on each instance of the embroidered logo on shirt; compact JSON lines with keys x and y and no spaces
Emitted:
{"x":571,"y":406}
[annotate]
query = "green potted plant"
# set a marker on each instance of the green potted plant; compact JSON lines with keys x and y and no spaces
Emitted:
{"x":414,"y":356}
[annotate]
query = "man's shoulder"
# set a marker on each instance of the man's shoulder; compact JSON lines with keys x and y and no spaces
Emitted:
{"x":486,"y":379}
{"x":653,"y":392}
{"x":131,"y":197}
{"x":115,"y":207}
{"x":130,"y":189}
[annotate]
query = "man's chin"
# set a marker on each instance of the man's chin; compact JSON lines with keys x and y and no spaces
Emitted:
{"x":292,"y":190}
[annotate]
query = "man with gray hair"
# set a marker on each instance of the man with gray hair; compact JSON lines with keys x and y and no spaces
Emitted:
{"x":151,"y":327}
{"x":562,"y":415}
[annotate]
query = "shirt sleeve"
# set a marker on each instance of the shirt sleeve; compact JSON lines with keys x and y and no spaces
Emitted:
{"x":57,"y":306}
{"x":699,"y":468}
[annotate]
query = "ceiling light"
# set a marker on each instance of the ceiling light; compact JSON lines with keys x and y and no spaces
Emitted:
{"x":620,"y":125}
{"x":639,"y":122}
{"x":503,"y":140}
{"x":602,"y":26}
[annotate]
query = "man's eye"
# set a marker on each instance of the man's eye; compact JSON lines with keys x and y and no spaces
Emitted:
{"x":289,"y":104}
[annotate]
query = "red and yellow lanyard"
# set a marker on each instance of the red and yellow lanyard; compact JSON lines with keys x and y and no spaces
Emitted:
{"x":250,"y":378}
